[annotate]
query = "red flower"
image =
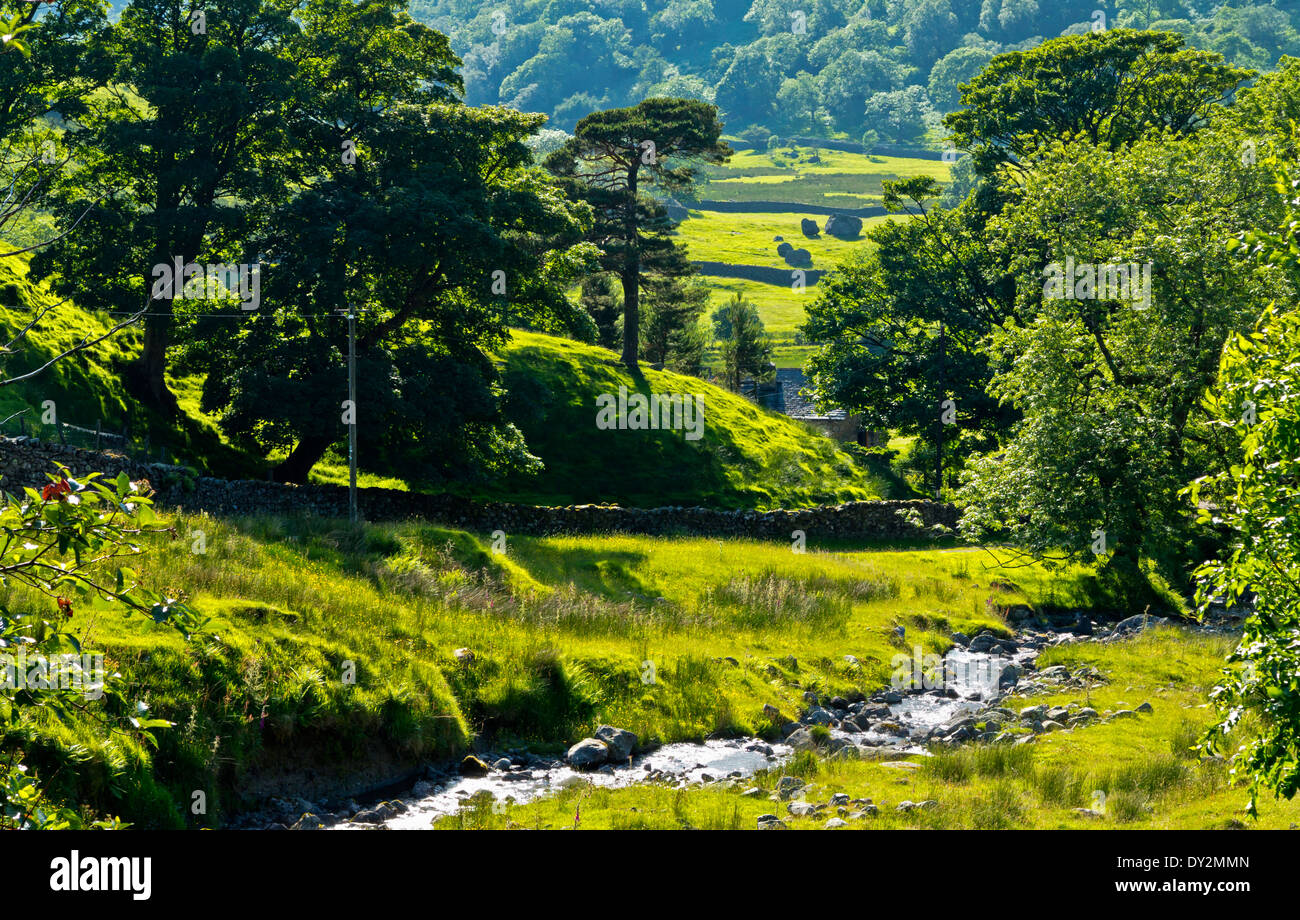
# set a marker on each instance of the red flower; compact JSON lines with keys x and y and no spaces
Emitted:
{"x":65,"y":606}
{"x":56,"y":490}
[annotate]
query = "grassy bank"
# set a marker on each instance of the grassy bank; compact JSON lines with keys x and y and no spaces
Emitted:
{"x":1129,"y":773}
{"x":745,"y":456}
{"x":560,"y":630}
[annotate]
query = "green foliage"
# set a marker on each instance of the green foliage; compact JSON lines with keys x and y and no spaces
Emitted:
{"x":1110,"y":384}
{"x":1258,"y":499}
{"x":1111,"y":87}
{"x":746,"y":350}
{"x":65,"y":544}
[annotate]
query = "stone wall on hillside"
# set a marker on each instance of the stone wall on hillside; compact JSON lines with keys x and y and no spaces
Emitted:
{"x":759,"y":273}
{"x":24,"y":462}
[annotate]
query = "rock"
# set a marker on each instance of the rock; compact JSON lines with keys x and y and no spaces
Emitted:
{"x":801,"y":809}
{"x":810,"y":697}
{"x":844,"y":226}
{"x":960,"y":639}
{"x":1033,"y":713}
{"x":1019,"y":613}
{"x":308,"y":822}
{"x":472,"y":766}
{"x":771,"y":823}
{"x":1138,"y":623}
{"x":1124,"y":714}
{"x":1146,"y":707}
{"x":376,"y":815}
{"x":503,"y":764}
{"x":840,"y":798}
{"x":676,"y":211}
{"x":753,"y":792}
{"x":788,"y":786}
{"x":784,"y":251}
{"x":905,"y":806}
{"x":1055,"y":673}
{"x":835,"y":824}
{"x":798,"y":257}
{"x":1049,"y":725}
{"x":817,"y":716}
{"x":802,"y":740}
{"x":772,"y":714}
{"x":809,"y":227}
{"x":620,"y":742}
{"x":587,"y":754}
{"x":464,"y":655}
{"x":984,"y":642}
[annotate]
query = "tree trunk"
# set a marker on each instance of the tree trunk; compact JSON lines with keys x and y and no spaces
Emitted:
{"x":631,"y":315}
{"x":631,"y":275}
{"x":304,"y":456}
{"x":148,"y":372}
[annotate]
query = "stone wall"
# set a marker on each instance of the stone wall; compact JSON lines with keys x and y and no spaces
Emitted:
{"x":24,"y":462}
{"x":759,"y":273}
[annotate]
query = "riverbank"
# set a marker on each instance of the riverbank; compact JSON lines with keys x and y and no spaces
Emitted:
{"x":999,"y":718}
{"x":337,"y":661}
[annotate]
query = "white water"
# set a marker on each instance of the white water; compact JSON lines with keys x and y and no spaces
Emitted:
{"x":691,"y":763}
{"x":973,"y":675}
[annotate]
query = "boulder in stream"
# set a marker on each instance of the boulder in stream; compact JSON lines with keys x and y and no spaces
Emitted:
{"x":619,"y":741}
{"x":587,"y":754}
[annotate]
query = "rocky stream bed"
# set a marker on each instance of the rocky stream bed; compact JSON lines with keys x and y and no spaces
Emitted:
{"x":952,"y":701}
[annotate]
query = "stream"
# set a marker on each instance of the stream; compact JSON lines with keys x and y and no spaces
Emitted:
{"x":969,"y":682}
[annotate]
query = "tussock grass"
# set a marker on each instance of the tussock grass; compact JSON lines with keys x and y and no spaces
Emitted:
{"x":673,"y":638}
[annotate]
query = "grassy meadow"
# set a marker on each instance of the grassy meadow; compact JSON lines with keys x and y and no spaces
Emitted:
{"x":560,"y":629}
{"x":838,"y":179}
{"x":748,"y":238}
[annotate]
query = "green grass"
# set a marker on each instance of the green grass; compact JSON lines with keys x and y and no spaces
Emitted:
{"x":780,"y":308}
{"x":747,"y":456}
{"x":748,"y":238}
{"x":841,"y":179}
{"x":560,"y":628}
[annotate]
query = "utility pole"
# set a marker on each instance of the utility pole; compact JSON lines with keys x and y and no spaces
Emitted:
{"x":352,"y":426}
{"x":938,"y":454}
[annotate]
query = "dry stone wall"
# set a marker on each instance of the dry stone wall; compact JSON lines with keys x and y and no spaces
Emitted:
{"x":25,"y":462}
